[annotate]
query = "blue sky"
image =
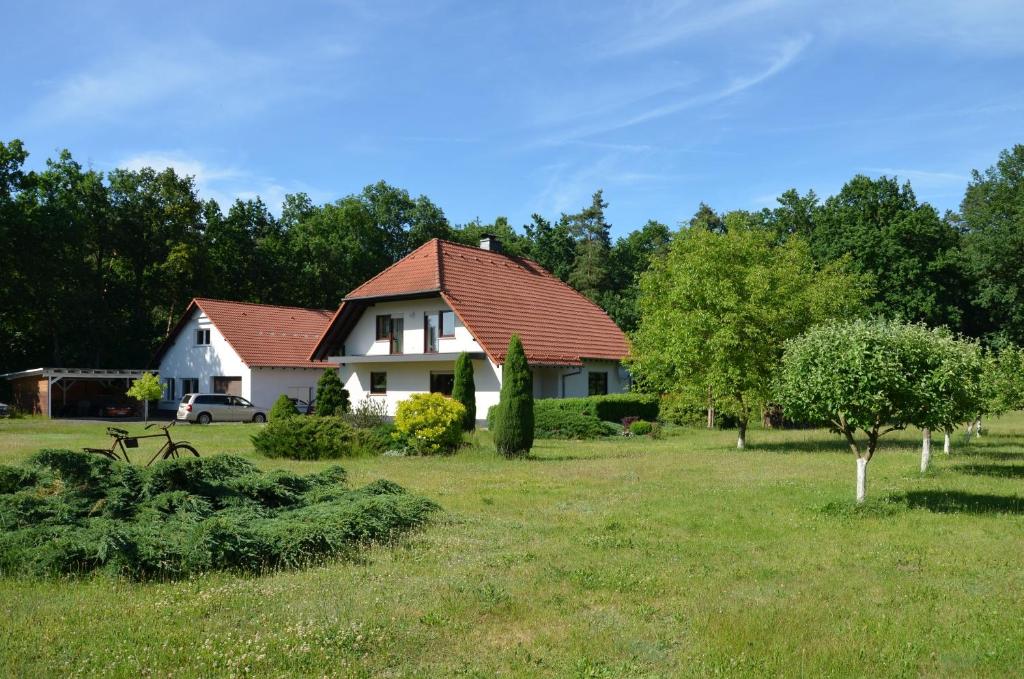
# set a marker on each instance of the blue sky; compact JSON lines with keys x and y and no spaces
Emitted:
{"x":520,"y":107}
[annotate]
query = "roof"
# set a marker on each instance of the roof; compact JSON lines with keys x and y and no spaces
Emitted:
{"x":77,"y":373}
{"x":495,"y":295}
{"x":263,"y":335}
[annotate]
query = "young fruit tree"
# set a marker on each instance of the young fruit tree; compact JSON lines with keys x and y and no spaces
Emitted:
{"x":1003,"y":382}
{"x":949,"y":384}
{"x":464,"y":390}
{"x":717,"y":309}
{"x":857,"y":376}
{"x":513,"y":417}
{"x":146,"y":388}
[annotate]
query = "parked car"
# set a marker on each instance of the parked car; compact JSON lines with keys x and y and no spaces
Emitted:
{"x":118,"y":410}
{"x":304,"y":407}
{"x":5,"y":410}
{"x":207,"y":408}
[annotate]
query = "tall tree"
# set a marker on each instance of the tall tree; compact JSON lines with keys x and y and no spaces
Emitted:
{"x":630,"y":257}
{"x":552,"y":246}
{"x":910,"y":252}
{"x":717,"y":309}
{"x":591,"y":270}
{"x":992,"y":217}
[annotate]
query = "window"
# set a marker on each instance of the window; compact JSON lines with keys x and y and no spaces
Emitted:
{"x":203,"y":336}
{"x":169,"y":389}
{"x":430,"y":334}
{"x":391,"y":328}
{"x":227,"y":385}
{"x":597,"y":384}
{"x":442,"y":383}
{"x":447,"y":323}
{"x":378,"y":383}
{"x":189,"y":385}
{"x":383,"y":327}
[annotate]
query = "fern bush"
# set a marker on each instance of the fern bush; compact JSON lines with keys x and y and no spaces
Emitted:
{"x":430,"y":423}
{"x":70,"y":513}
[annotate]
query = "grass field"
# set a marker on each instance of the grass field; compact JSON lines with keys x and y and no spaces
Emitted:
{"x":616,"y":558}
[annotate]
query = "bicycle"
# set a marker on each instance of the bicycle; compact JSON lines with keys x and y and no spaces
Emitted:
{"x":168,"y":451}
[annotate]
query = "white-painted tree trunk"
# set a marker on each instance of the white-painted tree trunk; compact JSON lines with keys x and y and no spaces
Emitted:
{"x":977,"y":427}
{"x":862,"y":479}
{"x":741,"y":441}
{"x":947,"y":443}
{"x":926,"y":449}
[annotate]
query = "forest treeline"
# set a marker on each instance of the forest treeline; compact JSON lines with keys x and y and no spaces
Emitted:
{"x":96,"y":267}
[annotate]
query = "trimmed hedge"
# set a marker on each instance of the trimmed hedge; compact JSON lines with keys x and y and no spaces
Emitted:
{"x":69,"y":513}
{"x":610,"y":408}
{"x":307,"y":438}
{"x":641,"y":428}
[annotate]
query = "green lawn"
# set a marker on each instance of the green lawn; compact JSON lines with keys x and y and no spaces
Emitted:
{"x":617,"y":558}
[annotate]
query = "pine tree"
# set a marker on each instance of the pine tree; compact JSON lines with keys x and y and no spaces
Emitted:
{"x":464,"y":390}
{"x":513,"y":421}
{"x":330,"y":394}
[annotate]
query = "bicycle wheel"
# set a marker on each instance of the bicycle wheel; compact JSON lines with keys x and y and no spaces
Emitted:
{"x":180,"y":450}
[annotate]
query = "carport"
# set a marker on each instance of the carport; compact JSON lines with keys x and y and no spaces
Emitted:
{"x":71,"y":392}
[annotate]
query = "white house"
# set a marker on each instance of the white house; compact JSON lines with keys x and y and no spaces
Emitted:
{"x":400,"y":332}
{"x":255,"y":351}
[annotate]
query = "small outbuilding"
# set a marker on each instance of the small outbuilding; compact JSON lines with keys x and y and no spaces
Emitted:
{"x":74,"y":392}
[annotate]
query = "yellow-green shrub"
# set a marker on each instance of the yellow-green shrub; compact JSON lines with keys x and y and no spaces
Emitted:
{"x":430,"y":423}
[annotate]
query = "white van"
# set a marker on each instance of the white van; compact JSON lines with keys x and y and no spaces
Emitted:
{"x":207,"y":408}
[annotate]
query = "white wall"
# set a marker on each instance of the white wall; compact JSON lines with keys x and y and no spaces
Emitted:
{"x":184,"y":359}
{"x":406,"y":379}
{"x":269,"y":383}
{"x":362,"y":340}
{"x":576,"y":381}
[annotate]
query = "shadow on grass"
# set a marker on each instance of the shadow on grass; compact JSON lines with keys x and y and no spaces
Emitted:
{"x":1006,"y":471}
{"x":825,"y":445}
{"x":959,"y":502}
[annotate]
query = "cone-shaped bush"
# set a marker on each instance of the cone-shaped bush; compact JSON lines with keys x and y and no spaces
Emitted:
{"x":513,"y":421}
{"x":283,"y":407}
{"x":464,"y":390}
{"x":330,"y":394}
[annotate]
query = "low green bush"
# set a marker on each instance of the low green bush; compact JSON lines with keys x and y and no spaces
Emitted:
{"x":283,"y":407}
{"x":69,"y":513}
{"x":641,"y":428}
{"x":566,"y":424}
{"x":610,"y":408}
{"x":378,"y":439}
{"x":307,"y":438}
{"x":430,"y":423}
{"x":368,"y":413}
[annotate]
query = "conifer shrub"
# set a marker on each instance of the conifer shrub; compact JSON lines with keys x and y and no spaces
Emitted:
{"x":566,"y":424}
{"x":283,"y":407}
{"x":307,"y":438}
{"x":513,"y":418}
{"x":641,"y":428}
{"x":464,"y":390}
{"x":331,"y":395}
{"x":70,"y":513}
{"x":430,"y":423}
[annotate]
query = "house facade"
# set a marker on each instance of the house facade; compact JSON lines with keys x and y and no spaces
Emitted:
{"x":255,"y":351}
{"x":401,"y":332}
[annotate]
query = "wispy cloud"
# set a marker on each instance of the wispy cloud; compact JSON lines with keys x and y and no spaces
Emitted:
{"x":784,"y":55}
{"x":664,"y":23}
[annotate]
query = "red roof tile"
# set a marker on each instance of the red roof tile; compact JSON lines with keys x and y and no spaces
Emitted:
{"x":263,"y":335}
{"x":497,"y":295}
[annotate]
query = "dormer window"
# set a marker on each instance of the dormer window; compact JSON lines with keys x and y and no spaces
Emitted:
{"x":203,"y":337}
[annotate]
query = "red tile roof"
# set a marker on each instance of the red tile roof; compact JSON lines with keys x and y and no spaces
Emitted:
{"x":496,"y":295}
{"x":263,"y":335}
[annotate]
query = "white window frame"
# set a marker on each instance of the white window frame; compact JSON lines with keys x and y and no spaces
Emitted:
{"x":203,"y":337}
